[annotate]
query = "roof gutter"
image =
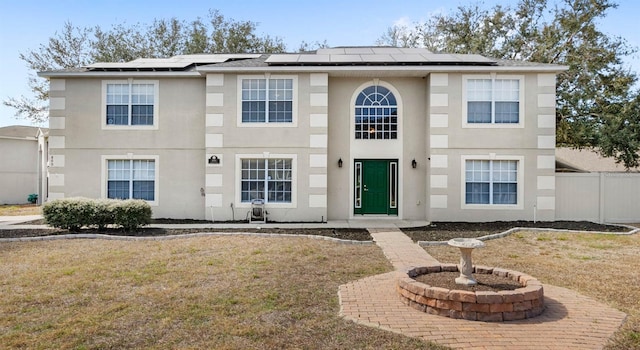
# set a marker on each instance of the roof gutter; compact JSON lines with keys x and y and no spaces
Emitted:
{"x":387,"y":69}
{"x":132,"y":74}
{"x":323,"y":69}
{"x":26,"y":138}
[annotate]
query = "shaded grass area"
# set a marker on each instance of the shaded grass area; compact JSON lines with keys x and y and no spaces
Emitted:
{"x":604,"y":267}
{"x":208,"y":292}
{"x":20,"y":209}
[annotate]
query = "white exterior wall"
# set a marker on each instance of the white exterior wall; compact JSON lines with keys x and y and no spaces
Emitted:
{"x":598,"y":197}
{"x":18,"y":169}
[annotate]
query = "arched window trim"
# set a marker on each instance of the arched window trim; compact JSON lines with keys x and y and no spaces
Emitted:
{"x":376,"y":113}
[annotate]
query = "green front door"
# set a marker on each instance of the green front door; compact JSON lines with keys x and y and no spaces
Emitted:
{"x":376,"y":184}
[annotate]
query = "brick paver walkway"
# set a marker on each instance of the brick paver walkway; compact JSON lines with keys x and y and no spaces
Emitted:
{"x":570,"y":321}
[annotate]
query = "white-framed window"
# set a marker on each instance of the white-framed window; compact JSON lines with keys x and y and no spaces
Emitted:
{"x":267,"y":100}
{"x":492,"y":182}
{"x":376,"y":114}
{"x":358,"y":185}
{"x":130,"y":104}
{"x":271,"y":177}
{"x":130,"y":177}
{"x":393,"y":185}
{"x":493,"y":100}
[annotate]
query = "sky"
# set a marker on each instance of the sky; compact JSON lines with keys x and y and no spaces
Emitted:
{"x":26,"y":24}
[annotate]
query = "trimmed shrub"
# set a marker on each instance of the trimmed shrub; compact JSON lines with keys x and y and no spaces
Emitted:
{"x":131,"y":214}
{"x":68,"y":213}
{"x":103,"y":212}
{"x":74,"y":213}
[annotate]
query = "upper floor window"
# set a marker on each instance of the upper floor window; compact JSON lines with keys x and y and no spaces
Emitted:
{"x":130,"y":103}
{"x":267,"y":100}
{"x":493,"y":100}
{"x":376,"y":113}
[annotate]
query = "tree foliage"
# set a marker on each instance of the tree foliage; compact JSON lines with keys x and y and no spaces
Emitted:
{"x":74,"y":47}
{"x":597,"y":104}
{"x":67,"y":48}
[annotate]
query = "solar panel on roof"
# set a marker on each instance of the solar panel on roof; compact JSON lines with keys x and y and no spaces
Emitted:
{"x":175,"y":62}
{"x":330,"y":51}
{"x":386,"y":50}
{"x":358,"y":50}
{"x":408,"y":58}
{"x":282,"y":58}
{"x":346,"y":58}
{"x":378,"y":58}
{"x":413,"y":50}
{"x":314,"y":59}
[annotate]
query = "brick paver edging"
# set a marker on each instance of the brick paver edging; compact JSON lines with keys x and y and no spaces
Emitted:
{"x":570,"y":320}
{"x":507,"y":305}
{"x":632,"y":230}
{"x":189,"y":235}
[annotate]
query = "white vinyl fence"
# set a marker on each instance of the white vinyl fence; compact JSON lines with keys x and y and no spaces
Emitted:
{"x":598,"y":197}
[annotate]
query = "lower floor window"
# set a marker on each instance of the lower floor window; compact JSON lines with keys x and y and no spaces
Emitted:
{"x":131,"y":179}
{"x":491,"y":182}
{"x":266,"y":179}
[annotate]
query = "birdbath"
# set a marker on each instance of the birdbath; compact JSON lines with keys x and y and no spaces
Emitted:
{"x":466,"y":246}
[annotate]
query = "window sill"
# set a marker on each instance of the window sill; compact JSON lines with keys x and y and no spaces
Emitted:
{"x":466,"y":125}
{"x":129,"y":127}
{"x":492,"y":206}
{"x":267,"y":125}
{"x":268,"y":206}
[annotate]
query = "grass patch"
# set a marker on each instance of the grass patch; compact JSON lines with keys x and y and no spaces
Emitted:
{"x":604,"y":267}
{"x":20,"y":209}
{"x":199,"y":293}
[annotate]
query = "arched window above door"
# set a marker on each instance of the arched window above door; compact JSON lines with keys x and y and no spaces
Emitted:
{"x":376,"y":114}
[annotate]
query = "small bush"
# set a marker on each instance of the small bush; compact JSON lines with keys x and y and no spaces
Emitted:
{"x":132,"y":214}
{"x":74,"y":213}
{"x":69,"y":213}
{"x":103,"y":212}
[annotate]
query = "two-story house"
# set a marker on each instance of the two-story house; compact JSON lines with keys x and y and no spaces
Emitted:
{"x":335,"y":134}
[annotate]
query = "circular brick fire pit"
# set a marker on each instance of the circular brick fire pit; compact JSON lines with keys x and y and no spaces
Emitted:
{"x":507,"y":305}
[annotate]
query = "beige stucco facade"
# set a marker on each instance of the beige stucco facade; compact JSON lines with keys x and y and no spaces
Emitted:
{"x":531,"y":142}
{"x":79,"y":144}
{"x":19,"y":167}
{"x":198,"y":116}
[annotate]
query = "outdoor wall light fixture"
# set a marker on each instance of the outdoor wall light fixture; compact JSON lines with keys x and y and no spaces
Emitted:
{"x":414,"y":164}
{"x":214,"y":160}
{"x":340,"y":163}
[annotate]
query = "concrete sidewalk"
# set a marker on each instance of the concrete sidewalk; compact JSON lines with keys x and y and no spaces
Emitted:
{"x":570,"y":321}
{"x":14,"y":222}
{"x":11,"y":220}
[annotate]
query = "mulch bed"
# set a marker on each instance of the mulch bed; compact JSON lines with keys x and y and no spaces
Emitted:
{"x":486,"y":282}
{"x":437,"y":231}
{"x":444,"y":231}
{"x":340,"y":233}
